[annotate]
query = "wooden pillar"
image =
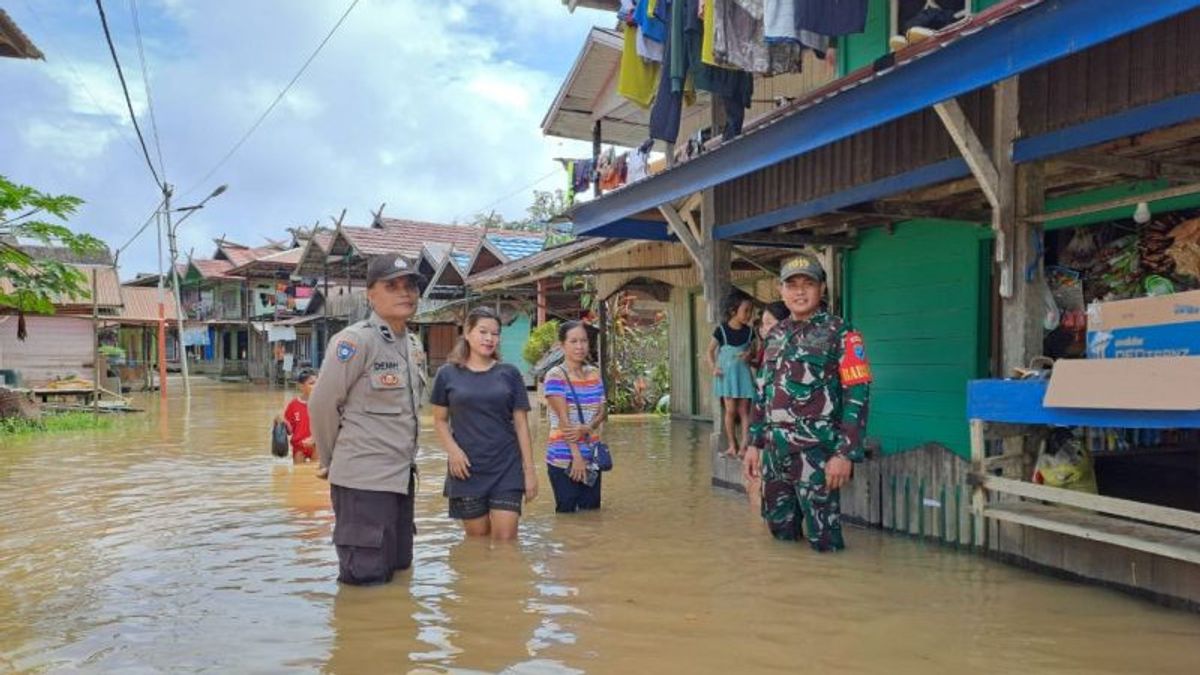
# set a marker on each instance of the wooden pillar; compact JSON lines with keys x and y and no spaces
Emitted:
{"x":1021,"y":312}
{"x":603,"y":349}
{"x":716,"y":258}
{"x":541,"y":301}
{"x":597,"y":137}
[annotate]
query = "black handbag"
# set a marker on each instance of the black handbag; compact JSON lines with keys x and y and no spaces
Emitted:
{"x":601,"y":456}
{"x":279,"y":440}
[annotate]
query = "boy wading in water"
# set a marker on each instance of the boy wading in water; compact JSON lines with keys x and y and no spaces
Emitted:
{"x":295,"y":416}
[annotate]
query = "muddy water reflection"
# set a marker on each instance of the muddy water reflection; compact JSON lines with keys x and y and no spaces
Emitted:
{"x":180,"y":544}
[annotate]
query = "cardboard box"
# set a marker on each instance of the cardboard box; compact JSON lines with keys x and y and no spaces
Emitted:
{"x":1166,"y":325}
{"x":1165,"y":383}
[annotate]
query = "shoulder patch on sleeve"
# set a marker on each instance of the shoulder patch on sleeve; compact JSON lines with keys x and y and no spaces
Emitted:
{"x":345,"y":350}
{"x":854,"y":367}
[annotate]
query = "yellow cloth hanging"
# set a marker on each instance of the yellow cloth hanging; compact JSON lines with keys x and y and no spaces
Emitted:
{"x":638,"y":79}
{"x":707,"y":52}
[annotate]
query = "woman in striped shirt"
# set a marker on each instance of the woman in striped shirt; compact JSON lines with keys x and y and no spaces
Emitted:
{"x":575,"y":395}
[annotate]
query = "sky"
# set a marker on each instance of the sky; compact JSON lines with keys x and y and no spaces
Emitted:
{"x":432,"y":107}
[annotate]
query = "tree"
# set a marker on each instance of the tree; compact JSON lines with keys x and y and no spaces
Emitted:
{"x":28,"y":285}
{"x":540,"y":215}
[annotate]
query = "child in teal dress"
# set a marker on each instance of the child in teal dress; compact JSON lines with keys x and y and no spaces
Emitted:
{"x":728,"y":355}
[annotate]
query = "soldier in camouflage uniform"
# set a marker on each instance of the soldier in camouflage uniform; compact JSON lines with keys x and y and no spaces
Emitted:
{"x":808,"y":419}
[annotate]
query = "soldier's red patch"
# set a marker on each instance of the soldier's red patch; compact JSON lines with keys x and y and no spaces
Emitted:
{"x":854,"y":367}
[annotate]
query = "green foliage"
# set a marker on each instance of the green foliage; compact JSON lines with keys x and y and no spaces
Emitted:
{"x":638,"y":370}
{"x":547,"y":205}
{"x":31,"y":286}
{"x":541,"y":339}
{"x":55,"y":423}
{"x":113,"y":353}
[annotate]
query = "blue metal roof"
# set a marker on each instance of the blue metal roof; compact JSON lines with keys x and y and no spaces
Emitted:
{"x":1026,"y":40}
{"x":461,"y":258}
{"x":515,"y":248}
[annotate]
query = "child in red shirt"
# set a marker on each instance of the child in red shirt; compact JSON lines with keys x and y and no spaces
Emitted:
{"x":295,"y":416}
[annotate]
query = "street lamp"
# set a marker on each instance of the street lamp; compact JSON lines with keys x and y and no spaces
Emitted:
{"x":172,"y":230}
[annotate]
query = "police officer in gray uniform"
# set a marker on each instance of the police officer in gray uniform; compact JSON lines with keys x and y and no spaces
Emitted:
{"x":364,"y":421}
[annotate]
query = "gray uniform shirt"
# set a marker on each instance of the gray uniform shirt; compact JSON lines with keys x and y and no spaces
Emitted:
{"x":364,"y":407}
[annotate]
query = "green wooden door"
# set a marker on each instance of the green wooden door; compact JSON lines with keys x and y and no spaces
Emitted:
{"x":512,"y":342}
{"x":920,"y":296}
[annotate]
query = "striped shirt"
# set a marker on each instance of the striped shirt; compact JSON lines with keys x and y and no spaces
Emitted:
{"x":590,"y":390}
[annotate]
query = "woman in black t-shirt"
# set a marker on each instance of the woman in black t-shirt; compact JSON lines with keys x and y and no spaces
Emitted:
{"x":481,"y":414}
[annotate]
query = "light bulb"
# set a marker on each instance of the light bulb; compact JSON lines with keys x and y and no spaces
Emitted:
{"x":1141,"y":215}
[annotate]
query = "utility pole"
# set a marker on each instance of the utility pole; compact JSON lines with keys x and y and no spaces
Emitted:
{"x":162,"y":320}
{"x":183,"y":362}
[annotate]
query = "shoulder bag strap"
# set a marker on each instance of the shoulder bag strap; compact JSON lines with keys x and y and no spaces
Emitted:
{"x":578,"y":408}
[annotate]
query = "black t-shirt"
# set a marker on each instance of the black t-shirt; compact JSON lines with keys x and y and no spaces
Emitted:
{"x":481,"y":420}
{"x":736,"y":338}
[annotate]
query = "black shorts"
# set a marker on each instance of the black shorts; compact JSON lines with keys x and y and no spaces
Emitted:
{"x":470,"y":508}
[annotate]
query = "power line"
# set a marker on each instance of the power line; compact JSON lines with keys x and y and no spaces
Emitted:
{"x":149,"y":219}
{"x":112,"y":49}
{"x":263,"y":116}
{"x":137,"y":30}
{"x":514,"y":193}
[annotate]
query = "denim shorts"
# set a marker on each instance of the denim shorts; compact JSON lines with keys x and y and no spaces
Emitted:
{"x":469,"y":508}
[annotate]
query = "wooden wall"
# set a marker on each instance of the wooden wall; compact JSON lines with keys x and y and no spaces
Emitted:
{"x":924,"y":493}
{"x":57,"y":346}
{"x":1156,"y":63}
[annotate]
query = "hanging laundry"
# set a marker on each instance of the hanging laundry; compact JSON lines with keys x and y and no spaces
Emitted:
{"x":733,"y":88}
{"x":831,"y":17}
{"x":654,"y":28}
{"x":638,"y":77}
{"x":738,"y":36}
{"x":638,"y":164}
{"x":582,"y":174}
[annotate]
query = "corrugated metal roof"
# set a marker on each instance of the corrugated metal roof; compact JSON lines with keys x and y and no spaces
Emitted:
{"x":241,"y":256}
{"x":277,"y":260}
{"x":141,"y":305}
{"x":591,"y":85}
{"x":213,"y":269}
{"x":108,"y":290}
{"x":462,"y":259}
{"x":407,"y":237}
{"x":542,"y":258}
{"x":14,"y":43}
{"x":515,"y":248}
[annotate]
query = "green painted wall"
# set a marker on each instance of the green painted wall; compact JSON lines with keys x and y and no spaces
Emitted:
{"x":512,"y":341}
{"x":920,"y":296}
{"x":856,"y":51}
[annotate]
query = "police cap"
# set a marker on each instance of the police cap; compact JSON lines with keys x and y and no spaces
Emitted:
{"x":391,"y":266}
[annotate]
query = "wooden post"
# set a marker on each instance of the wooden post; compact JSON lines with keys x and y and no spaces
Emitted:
{"x":978,"y":496}
{"x":597,"y":139}
{"x":541,"y":302}
{"x":603,"y":349}
{"x":95,"y":346}
{"x":1021,"y":312}
{"x":1005,"y":129}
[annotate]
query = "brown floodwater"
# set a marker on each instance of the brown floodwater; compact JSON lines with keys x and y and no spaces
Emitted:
{"x":177,"y":543}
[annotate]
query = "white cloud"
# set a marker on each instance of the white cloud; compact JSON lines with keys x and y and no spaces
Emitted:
{"x":433,"y":108}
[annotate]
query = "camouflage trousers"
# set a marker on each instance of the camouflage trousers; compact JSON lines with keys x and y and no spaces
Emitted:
{"x":795,"y":500}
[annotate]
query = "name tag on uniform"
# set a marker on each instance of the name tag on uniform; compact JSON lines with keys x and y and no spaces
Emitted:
{"x":386,"y":375}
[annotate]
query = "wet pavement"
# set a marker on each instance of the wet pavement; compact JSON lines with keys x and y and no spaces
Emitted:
{"x":178,"y":543}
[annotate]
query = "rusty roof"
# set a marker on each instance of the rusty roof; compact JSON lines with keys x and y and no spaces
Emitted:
{"x":14,"y":43}
{"x":213,"y":269}
{"x":141,"y":305}
{"x":108,"y":290}
{"x":279,"y":260}
{"x":407,"y":237}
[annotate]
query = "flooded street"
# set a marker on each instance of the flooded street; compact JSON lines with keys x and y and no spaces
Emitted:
{"x":180,"y":544}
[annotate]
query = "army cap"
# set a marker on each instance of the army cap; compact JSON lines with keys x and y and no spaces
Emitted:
{"x":391,"y":266}
{"x":804,"y":263}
